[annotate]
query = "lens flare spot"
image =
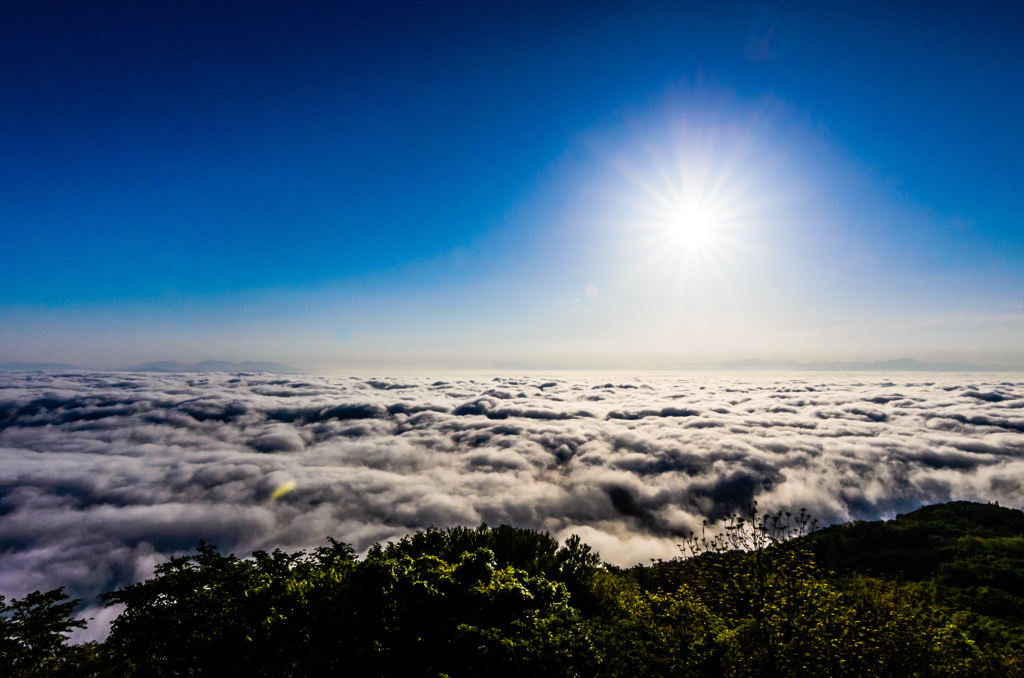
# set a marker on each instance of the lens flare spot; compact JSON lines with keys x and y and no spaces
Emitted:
{"x":591,"y":290}
{"x":282,"y":490}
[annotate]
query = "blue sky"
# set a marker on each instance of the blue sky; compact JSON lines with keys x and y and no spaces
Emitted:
{"x":402,"y":185}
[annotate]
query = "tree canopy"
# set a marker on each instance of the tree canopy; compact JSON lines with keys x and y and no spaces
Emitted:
{"x":937,"y":592}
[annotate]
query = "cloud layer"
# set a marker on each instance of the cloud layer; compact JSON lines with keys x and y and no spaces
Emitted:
{"x":104,"y":475}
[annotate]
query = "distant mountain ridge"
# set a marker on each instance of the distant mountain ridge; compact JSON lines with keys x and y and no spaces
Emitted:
{"x":32,"y":367}
{"x":753,"y":365}
{"x":169,"y":366}
{"x":899,"y":365}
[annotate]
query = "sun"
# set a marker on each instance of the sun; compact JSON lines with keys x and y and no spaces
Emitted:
{"x":692,"y":207}
{"x":689,"y":219}
{"x":686,"y":222}
{"x":693,"y":226}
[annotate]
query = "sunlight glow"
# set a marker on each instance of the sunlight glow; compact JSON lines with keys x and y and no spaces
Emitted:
{"x":688,"y":213}
{"x":695,"y":209}
{"x":694,"y":226}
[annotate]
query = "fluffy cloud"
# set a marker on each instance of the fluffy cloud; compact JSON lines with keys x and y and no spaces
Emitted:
{"x":104,"y":475}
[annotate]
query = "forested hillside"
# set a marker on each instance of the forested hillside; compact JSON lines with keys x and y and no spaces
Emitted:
{"x":937,"y":592}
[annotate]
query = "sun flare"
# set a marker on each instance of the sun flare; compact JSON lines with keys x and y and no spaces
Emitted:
{"x":687,"y":218}
{"x":693,"y":226}
{"x":691,"y":209}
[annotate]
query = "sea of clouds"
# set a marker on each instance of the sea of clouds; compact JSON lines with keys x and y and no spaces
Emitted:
{"x":103,"y":475}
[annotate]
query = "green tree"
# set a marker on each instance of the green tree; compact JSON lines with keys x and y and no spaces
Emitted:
{"x":434,"y":603}
{"x":33,"y":634}
{"x":216,"y":615}
{"x":641,"y":633}
{"x":759,"y":580}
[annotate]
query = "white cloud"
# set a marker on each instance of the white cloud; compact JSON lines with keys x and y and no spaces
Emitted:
{"x":102,"y":475}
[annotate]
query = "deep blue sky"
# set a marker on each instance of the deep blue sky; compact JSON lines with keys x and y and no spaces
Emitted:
{"x":219,"y":151}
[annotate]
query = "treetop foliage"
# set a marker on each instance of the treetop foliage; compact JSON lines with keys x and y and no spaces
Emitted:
{"x":767,"y":596}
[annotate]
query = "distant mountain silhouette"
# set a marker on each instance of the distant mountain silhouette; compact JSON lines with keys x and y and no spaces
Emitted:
{"x":32,"y":367}
{"x":899,"y":365}
{"x":215,"y":366}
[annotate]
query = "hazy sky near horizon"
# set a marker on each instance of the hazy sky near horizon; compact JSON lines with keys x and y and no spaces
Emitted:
{"x":343,"y":185}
